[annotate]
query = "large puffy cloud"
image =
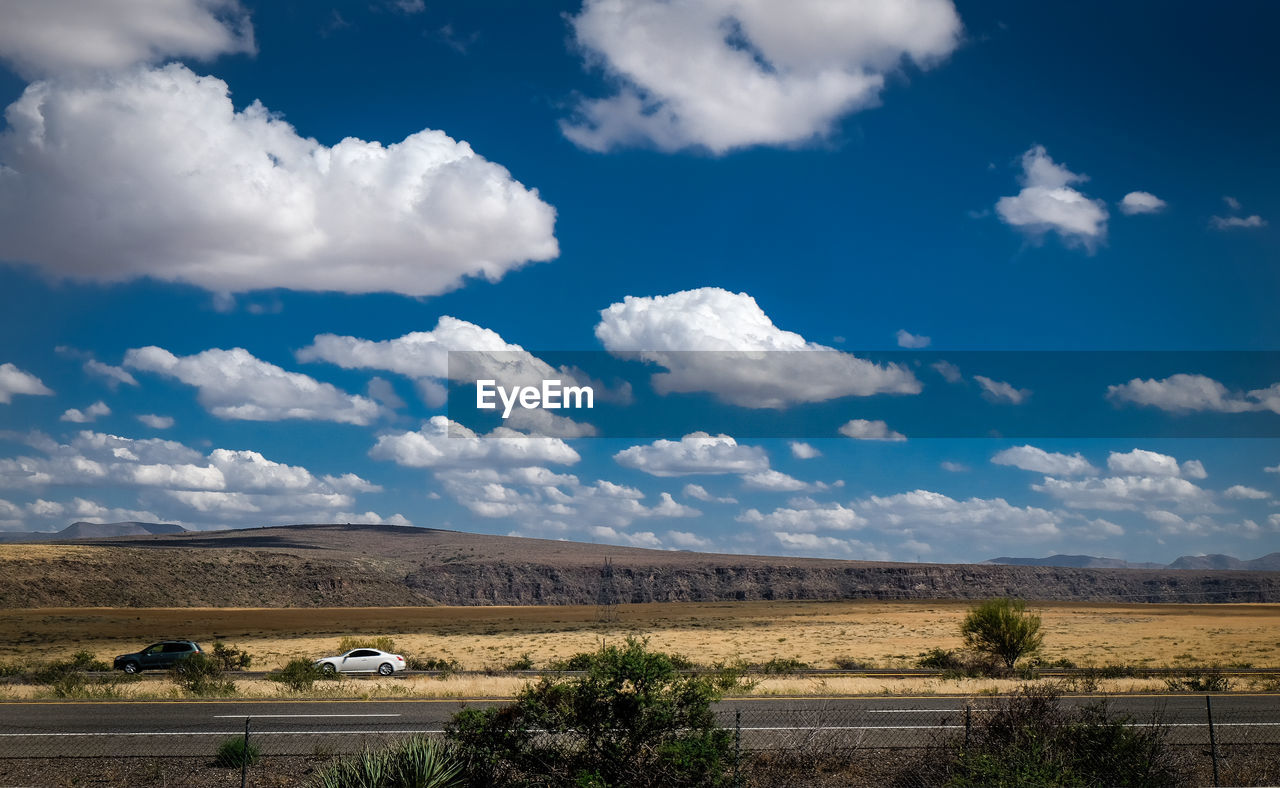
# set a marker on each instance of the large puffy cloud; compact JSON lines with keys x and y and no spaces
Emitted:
{"x":233,"y":384}
{"x":1141,"y":462}
{"x":726,"y":74}
{"x":1048,"y":203}
{"x":441,"y":443}
{"x":1033,"y":458}
{"x":91,"y":413}
{"x":695,"y":453}
{"x":1184,"y":393}
{"x":1242,"y":493}
{"x":668,"y":330}
{"x":41,"y":37}
{"x":18,"y":381}
{"x":806,"y":518}
{"x":152,"y":173}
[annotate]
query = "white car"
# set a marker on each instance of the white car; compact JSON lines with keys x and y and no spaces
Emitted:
{"x":363,"y":660}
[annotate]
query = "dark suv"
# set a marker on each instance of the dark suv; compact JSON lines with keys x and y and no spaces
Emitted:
{"x":157,"y":656}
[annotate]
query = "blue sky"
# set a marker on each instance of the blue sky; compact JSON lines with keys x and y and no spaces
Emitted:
{"x":188,"y":207}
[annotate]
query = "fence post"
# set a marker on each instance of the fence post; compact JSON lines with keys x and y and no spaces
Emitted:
{"x":737,"y":748}
{"x":968,"y":711}
{"x":244,"y":755}
{"x":1213,"y":739}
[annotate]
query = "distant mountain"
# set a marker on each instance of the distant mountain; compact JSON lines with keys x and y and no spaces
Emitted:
{"x":1267,"y":563}
{"x":83,"y":530}
{"x":1077,"y":562}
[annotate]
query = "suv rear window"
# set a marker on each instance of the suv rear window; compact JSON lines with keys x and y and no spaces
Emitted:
{"x":173,"y":648}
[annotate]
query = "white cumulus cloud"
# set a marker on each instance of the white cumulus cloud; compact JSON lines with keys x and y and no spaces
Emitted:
{"x":153,"y":173}
{"x":1141,"y":462}
{"x":669,"y":330}
{"x":803,"y":451}
{"x":233,"y":384}
{"x":695,"y":453}
{"x":1049,"y":203}
{"x":726,"y":74}
{"x":156,"y":422}
{"x":865,"y":430}
{"x":91,"y":413}
{"x":1033,"y":458}
{"x":1242,"y":493}
{"x":441,"y":443}
{"x":17,"y":381}
{"x":1141,"y":202}
{"x":1183,"y":393}
{"x":908,"y":340}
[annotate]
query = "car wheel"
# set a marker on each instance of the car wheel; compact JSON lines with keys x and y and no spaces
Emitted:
{"x":329,"y":667}
{"x":130,"y":667}
{"x":385,"y":669}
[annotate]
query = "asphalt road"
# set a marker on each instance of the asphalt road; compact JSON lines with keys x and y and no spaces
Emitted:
{"x":172,"y":728}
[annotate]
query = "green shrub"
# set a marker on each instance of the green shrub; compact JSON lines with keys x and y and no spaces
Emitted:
{"x":730,"y":676}
{"x":850,"y":663}
{"x":581,"y":661}
{"x":300,"y":675}
{"x":523,"y":662}
{"x":381,"y":643}
{"x":1032,"y":739}
{"x":632,"y":720}
{"x":233,"y":753}
{"x":783,"y":666}
{"x":940,"y":659}
{"x":230,"y":658}
{"x":445,"y":666}
{"x":68,"y":674}
{"x":200,"y":675}
{"x":417,"y":762}
{"x":1003,"y":629}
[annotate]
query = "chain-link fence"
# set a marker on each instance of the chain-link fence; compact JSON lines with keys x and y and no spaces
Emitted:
{"x":1218,"y":740}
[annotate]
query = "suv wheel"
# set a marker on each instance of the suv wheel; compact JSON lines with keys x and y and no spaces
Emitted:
{"x":385,"y":669}
{"x":130,"y":667}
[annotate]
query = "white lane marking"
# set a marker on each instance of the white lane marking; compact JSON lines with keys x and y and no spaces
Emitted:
{"x":260,"y":716}
{"x":915,"y":711}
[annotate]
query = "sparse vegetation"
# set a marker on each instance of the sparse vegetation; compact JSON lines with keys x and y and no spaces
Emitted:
{"x":1210,"y":679}
{"x":445,"y":666}
{"x":381,"y":643}
{"x":300,"y":675}
{"x":522,"y":662}
{"x":782,"y":666}
{"x":233,"y":753}
{"x":200,"y":675}
{"x":1003,"y":629}
{"x":1032,"y":739}
{"x":230,"y":658}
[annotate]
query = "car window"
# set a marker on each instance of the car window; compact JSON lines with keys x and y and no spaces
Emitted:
{"x":175,"y":648}
{"x":363,"y":652}
{"x":156,"y":649}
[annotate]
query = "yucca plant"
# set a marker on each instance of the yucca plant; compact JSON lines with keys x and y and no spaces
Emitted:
{"x":417,"y":762}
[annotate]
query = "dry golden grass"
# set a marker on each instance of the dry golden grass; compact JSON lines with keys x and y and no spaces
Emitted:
{"x":885,"y":634}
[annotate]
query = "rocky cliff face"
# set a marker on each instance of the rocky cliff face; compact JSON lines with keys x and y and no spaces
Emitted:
{"x":356,"y":566}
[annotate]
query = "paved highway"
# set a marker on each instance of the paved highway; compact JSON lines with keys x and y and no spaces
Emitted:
{"x":65,"y":728}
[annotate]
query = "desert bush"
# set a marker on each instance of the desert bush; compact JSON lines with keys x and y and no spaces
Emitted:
{"x":441,"y":664}
{"x":380,"y":642}
{"x":1210,"y":679}
{"x":1032,"y":739}
{"x":730,"y":676}
{"x":850,"y":663}
{"x":300,"y":675}
{"x":229,"y":657}
{"x":200,"y":675}
{"x":234,"y":753}
{"x":580,"y":661}
{"x":522,"y":662}
{"x":783,"y":666}
{"x":632,"y":720}
{"x":940,"y":659}
{"x":1003,"y":629}
{"x":417,"y":762}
